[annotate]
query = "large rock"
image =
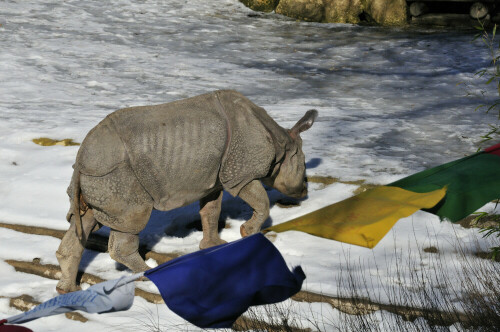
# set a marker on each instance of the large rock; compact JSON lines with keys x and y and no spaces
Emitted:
{"x":386,"y":12}
{"x":261,"y":5}
{"x":342,"y":11}
{"x":383,"y":12}
{"x":307,"y":10}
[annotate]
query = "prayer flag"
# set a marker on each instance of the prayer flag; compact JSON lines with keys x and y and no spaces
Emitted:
{"x":211,"y":288}
{"x":363,"y":219}
{"x":108,"y":296}
{"x":472,"y":182}
{"x":12,"y":328}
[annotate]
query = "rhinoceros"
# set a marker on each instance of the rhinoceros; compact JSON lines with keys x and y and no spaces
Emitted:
{"x":166,"y":156}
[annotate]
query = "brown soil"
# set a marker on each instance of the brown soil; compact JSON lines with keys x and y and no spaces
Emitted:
{"x":328,"y":180}
{"x":431,"y":249}
{"x":95,"y":242}
{"x":247,"y":324}
{"x":45,"y":141}
{"x":482,"y":222}
{"x":359,"y":306}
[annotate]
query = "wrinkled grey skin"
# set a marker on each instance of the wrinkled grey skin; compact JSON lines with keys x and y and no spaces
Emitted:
{"x":167,"y":156}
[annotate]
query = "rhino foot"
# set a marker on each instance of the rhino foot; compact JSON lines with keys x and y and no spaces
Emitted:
{"x":204,"y":244}
{"x":249,"y":229}
{"x":66,"y":287}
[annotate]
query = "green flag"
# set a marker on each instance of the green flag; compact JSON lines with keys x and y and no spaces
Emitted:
{"x":472,"y":182}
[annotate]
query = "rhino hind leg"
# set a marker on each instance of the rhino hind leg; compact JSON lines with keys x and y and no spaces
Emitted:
{"x":121,"y":203}
{"x":254,"y":195}
{"x":118,"y":199}
{"x":124,"y":248}
{"x":70,"y":252}
{"x":210,"y":207}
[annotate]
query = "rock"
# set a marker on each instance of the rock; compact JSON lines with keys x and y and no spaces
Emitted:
{"x":478,"y":11}
{"x":387,"y":12}
{"x":343,"y":11}
{"x":307,"y":10}
{"x":261,"y":5}
{"x":418,"y":8}
{"x":383,"y":12}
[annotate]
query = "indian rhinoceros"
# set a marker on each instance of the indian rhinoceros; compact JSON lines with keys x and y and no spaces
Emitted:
{"x":166,"y":156}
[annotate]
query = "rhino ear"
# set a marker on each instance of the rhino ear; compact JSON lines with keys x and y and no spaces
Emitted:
{"x":303,"y":124}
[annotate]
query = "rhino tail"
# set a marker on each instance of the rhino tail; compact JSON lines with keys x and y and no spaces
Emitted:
{"x":76,"y":204}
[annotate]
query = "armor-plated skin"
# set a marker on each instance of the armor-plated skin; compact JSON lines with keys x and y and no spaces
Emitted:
{"x":170,"y":155}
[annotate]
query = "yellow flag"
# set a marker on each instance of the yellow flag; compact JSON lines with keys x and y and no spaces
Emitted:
{"x":363,"y":219}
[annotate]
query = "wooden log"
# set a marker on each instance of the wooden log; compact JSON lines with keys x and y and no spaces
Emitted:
{"x":444,"y":20}
{"x":418,"y":8}
{"x":478,"y":10}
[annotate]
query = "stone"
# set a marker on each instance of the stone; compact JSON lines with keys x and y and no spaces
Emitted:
{"x":306,"y":10}
{"x":342,"y":11}
{"x":418,"y":8}
{"x":478,"y":11}
{"x":261,"y":5}
{"x":387,"y":12}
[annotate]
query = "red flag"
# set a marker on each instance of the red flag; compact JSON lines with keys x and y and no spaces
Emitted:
{"x":12,"y":328}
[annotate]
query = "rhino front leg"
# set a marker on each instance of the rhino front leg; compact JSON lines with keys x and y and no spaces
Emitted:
{"x":210,"y":207}
{"x":254,"y":195}
{"x":70,"y":252}
{"x":124,"y":248}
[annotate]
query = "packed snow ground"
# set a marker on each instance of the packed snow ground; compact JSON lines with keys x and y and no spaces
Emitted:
{"x":388,"y":101}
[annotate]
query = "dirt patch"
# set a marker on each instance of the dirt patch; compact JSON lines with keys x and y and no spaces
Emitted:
{"x":487,"y":255}
{"x":480,"y":221}
{"x":431,"y":249}
{"x":328,"y":180}
{"x":24,"y":302}
{"x":34,"y":230}
{"x":360,"y":306}
{"x":45,"y":141}
{"x":247,"y":324}
{"x":95,"y":242}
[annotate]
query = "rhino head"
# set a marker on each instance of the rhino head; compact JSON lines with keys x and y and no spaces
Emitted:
{"x":289,"y":175}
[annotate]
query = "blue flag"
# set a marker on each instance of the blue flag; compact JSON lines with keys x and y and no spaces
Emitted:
{"x":211,"y":288}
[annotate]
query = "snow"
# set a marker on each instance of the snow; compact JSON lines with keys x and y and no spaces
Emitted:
{"x":389,"y":104}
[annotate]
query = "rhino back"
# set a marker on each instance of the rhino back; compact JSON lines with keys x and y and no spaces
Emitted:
{"x":175,"y":149}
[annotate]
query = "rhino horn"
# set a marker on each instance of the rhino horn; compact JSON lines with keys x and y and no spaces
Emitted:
{"x":304,"y":123}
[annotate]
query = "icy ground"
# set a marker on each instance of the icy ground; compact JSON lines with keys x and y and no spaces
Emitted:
{"x":388,"y":101}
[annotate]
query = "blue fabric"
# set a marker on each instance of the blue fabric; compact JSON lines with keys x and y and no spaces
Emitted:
{"x":211,"y":288}
{"x":108,"y":296}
